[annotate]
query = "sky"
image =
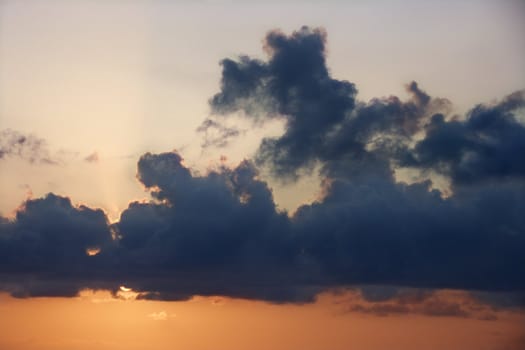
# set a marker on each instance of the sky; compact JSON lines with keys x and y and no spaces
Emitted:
{"x":288,"y":175}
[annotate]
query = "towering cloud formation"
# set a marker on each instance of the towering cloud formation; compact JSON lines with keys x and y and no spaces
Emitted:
{"x":221,"y":233}
{"x":294,"y":84}
{"x":325,"y":124}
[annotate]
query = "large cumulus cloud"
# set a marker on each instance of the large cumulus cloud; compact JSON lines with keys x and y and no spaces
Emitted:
{"x":206,"y":234}
{"x":43,"y":250}
{"x":221,"y":234}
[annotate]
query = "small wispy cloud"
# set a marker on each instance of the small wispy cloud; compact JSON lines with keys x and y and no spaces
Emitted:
{"x":217,"y":134}
{"x":28,"y":147}
{"x":92,"y":158}
{"x":34,"y":149}
{"x":161,"y":316}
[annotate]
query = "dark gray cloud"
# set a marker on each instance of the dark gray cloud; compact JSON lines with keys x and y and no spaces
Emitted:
{"x":295,"y":85}
{"x":488,"y":145}
{"x":221,"y":234}
{"x":326,"y":125}
{"x":214,"y":231}
{"x":43,"y":250}
{"x":440,"y":303}
{"x":324,"y":122}
{"x":377,"y":232}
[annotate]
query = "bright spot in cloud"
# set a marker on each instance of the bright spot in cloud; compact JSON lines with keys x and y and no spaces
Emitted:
{"x":126,"y":293}
{"x":92,"y":251}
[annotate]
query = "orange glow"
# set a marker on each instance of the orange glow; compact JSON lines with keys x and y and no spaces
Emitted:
{"x":92,"y":251}
{"x":96,"y":320}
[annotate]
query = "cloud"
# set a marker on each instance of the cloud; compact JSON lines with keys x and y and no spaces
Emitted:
{"x":220,"y":233}
{"x":326,"y":124}
{"x":43,"y":249}
{"x":92,"y":158}
{"x":434,"y":303}
{"x":27,"y":147}
{"x":159,"y":316}
{"x":32,"y":149}
{"x":294,"y":85}
{"x":213,"y":231}
{"x":216,"y":134}
{"x":487,"y":145}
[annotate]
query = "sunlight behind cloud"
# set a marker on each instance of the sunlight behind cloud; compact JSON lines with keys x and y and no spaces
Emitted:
{"x":92,"y":251}
{"x":126,"y":293}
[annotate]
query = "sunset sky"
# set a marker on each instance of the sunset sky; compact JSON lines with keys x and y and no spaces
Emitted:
{"x":262,"y":175}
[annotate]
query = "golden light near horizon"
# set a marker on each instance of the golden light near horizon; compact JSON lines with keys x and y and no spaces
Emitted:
{"x":96,"y":320}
